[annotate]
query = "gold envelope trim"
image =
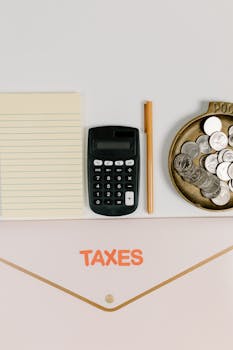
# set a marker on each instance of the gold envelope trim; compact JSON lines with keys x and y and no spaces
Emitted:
{"x":120,"y":306}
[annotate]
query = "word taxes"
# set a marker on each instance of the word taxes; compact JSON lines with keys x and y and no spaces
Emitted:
{"x":119,"y":257}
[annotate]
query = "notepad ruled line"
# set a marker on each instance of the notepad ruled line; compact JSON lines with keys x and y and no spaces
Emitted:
{"x":38,"y":132}
{"x":36,"y":146}
{"x":41,"y":190}
{"x":75,"y":114}
{"x":39,"y":184}
{"x":41,"y":127}
{"x":18,"y":158}
{"x":49,"y":139}
{"x":68,"y":152}
{"x":41,"y":155}
{"x":40,"y":164}
{"x":43,"y":208}
{"x":35,"y":196}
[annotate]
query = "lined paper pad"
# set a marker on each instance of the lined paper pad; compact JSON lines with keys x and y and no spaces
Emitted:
{"x":40,"y":155}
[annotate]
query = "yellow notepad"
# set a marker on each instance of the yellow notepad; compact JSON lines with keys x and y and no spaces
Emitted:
{"x":40,"y":155}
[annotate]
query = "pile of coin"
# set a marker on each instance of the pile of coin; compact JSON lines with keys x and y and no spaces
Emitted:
{"x":208,"y":183}
{"x":214,"y":175}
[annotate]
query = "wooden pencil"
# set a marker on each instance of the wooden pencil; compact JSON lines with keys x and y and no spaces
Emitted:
{"x":148,"y":114}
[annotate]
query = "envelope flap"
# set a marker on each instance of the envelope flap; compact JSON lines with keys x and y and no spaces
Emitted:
{"x":108,"y":263}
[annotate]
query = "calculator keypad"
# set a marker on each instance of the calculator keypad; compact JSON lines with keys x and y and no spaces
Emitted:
{"x":113,"y":182}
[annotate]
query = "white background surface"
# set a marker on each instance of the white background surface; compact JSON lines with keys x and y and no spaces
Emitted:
{"x":119,"y":53}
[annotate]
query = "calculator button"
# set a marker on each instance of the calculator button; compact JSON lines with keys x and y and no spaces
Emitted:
{"x":98,"y":162}
{"x":129,"y":198}
{"x":129,"y":178}
{"x":97,"y":170}
{"x":129,"y":170}
{"x":97,"y":186}
{"x":107,"y":186}
{"x":97,"y":201}
{"x":118,"y":186}
{"x":118,"y":202}
{"x":108,"y":194}
{"x":118,"y":178}
{"x":118,"y":170}
{"x":119,"y":162}
{"x":107,"y":170}
{"x":97,"y":194}
{"x":108,"y":178}
{"x":129,"y":162}
{"x":97,"y":178}
{"x":118,"y":194}
{"x":128,"y":186}
{"x":108,"y":201}
{"x":108,"y":162}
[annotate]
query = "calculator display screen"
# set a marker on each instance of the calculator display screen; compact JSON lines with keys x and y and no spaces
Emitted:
{"x":112,"y":145}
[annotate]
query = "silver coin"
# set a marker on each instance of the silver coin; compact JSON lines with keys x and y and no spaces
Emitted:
{"x":230,"y":184}
{"x":220,"y":155}
{"x":211,"y":195}
{"x":211,"y":163}
{"x":230,"y":130}
{"x":193,"y":176}
{"x":211,"y":184}
{"x":230,"y":171}
{"x":228,"y":156}
{"x":222,"y":171}
{"x":203,"y":142}
{"x":190,"y":148}
{"x":213,"y":192}
{"x":199,"y":177}
{"x":224,"y":195}
{"x":218,"y":140}
{"x":230,"y":140}
{"x":211,"y":125}
{"x":202,"y":161}
{"x":183,"y":163}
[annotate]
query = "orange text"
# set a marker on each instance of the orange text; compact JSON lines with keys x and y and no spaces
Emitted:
{"x":121,"y":257}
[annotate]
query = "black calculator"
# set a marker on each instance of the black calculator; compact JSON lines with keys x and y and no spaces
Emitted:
{"x":113,"y":169}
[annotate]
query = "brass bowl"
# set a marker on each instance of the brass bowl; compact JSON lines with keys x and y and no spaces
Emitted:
{"x":190,"y":132}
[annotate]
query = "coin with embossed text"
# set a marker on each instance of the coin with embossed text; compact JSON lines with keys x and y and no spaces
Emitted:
{"x":211,"y":163}
{"x":199,"y":177}
{"x":230,"y":140}
{"x":202,"y":161}
{"x":224,"y":195}
{"x":190,"y":148}
{"x":222,"y":171}
{"x":194,"y":176}
{"x":230,"y":171}
{"x":218,"y":140}
{"x":213,"y":190}
{"x":228,"y":156}
{"x":230,"y":184}
{"x":183,"y":163}
{"x":212,"y":124}
{"x":220,"y":155}
{"x":208,"y":181}
{"x":203,"y":142}
{"x":230,"y":130}
{"x":211,"y":184}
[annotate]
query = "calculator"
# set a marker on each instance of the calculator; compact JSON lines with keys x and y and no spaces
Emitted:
{"x":113,"y":169}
